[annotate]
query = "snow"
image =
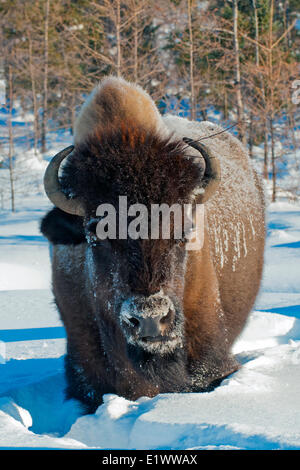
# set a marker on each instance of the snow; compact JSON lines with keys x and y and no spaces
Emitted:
{"x":255,"y":408}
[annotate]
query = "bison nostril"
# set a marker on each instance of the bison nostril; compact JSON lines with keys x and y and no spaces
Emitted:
{"x":167,"y":318}
{"x":134,"y":321}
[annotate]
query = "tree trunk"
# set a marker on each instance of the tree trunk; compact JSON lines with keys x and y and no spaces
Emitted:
{"x":34,"y":98}
{"x":191,"y":72}
{"x":135,"y":47}
{"x":274,"y":175}
{"x":286,"y":23}
{"x":257,"y":63}
{"x":256,"y":32}
{"x":73,"y":111}
{"x":45,"y":83}
{"x":238,"y":91}
{"x":118,"y":38}
{"x":266,"y":150}
{"x":225,"y":104}
{"x":250,"y":138}
{"x":292,"y":127}
{"x":11,"y":140}
{"x":271,"y":86}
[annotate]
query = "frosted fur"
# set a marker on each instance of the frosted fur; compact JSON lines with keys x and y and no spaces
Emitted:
{"x":233,"y":158}
{"x":129,"y":309}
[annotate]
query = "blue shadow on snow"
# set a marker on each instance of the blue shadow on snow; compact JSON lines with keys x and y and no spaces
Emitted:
{"x":29,"y":334}
{"x":288,"y":245}
{"x":26,"y":239}
{"x":290,"y":311}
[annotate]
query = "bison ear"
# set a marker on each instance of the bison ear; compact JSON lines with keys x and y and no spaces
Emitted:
{"x":61,"y":228}
{"x":212,"y":171}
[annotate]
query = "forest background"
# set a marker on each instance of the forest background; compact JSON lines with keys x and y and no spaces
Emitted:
{"x":232,"y":62}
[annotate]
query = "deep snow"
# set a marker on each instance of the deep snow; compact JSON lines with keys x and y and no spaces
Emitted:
{"x":256,"y":408}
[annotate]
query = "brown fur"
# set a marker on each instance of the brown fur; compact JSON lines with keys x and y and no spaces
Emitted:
{"x":116,"y":103}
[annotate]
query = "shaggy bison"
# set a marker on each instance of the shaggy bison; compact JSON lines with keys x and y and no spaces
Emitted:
{"x":145,"y":315}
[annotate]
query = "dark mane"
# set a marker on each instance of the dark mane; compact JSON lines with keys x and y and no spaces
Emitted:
{"x":131,"y":162}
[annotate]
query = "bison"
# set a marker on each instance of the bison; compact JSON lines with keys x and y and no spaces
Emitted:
{"x":146,"y":316}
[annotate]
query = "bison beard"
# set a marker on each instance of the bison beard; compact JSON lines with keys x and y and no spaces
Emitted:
{"x":123,"y":147}
{"x":121,"y":368}
{"x":155,"y":374}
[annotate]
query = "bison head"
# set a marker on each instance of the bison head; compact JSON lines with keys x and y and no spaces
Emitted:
{"x":123,"y":149}
{"x":136,"y":285}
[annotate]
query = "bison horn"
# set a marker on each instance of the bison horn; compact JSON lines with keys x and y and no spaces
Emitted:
{"x":53,"y":188}
{"x":212,"y":174}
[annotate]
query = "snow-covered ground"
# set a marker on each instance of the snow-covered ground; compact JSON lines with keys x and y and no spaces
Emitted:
{"x":256,"y":408}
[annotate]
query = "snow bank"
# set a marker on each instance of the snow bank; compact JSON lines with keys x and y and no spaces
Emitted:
{"x":250,"y":410}
{"x":14,"y":434}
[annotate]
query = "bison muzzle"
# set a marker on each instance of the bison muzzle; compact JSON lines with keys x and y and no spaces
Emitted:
{"x":152,"y":323}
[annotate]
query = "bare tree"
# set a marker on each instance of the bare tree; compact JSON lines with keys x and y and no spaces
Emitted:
{"x":11,"y":139}
{"x":238,"y":89}
{"x":45,"y":81}
{"x":191,"y":53}
{"x":34,"y":92}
